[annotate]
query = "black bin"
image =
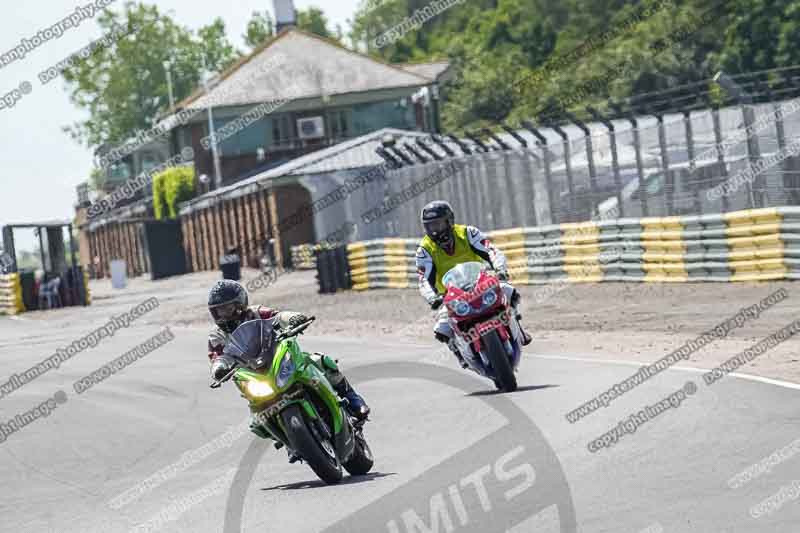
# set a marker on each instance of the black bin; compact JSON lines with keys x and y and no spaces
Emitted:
{"x":231,"y":267}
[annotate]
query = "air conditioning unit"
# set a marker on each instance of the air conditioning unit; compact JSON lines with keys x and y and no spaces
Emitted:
{"x":311,"y":128}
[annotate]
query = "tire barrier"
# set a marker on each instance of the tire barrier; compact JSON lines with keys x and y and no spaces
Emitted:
{"x":750,"y":245}
{"x":303,"y":256}
{"x":11,"y":295}
{"x":333,"y":272}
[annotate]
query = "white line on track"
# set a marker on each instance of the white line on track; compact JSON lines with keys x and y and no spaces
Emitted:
{"x":749,"y":377}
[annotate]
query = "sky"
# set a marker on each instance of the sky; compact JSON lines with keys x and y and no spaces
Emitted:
{"x":40,"y":165}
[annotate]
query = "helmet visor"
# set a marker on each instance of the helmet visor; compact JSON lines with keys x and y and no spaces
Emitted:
{"x":223,"y":312}
{"x":437,"y":226}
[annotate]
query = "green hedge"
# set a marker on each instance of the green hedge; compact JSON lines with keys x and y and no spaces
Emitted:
{"x":171,"y":187}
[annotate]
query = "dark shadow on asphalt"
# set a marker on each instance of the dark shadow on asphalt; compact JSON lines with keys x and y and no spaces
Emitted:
{"x":317,"y":484}
{"x":519,"y":389}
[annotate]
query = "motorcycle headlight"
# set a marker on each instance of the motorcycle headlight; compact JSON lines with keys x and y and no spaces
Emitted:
{"x":285,"y":371}
{"x":259,"y":389}
{"x":461,"y":308}
{"x":489,"y":299}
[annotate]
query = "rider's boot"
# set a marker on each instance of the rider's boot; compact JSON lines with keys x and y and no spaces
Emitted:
{"x":526,"y":338}
{"x":356,"y":405}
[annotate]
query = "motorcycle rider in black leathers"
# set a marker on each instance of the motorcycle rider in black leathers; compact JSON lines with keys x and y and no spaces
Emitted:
{"x":228,"y":305}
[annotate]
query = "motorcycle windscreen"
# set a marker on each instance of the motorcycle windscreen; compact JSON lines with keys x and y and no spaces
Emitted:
{"x":463,"y":276}
{"x":253,"y":343}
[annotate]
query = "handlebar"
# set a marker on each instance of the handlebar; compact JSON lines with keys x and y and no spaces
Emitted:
{"x":215,"y":384}
{"x":297,"y":329}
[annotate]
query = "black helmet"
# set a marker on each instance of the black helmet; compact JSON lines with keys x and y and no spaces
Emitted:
{"x":227,"y":303}
{"x":438,"y":220}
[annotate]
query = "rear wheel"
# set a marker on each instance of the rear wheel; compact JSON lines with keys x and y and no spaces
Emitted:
{"x":315,"y":450}
{"x":496,"y":353}
{"x":361,"y":461}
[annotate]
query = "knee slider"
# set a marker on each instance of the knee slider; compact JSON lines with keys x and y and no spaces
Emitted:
{"x":515,"y":298}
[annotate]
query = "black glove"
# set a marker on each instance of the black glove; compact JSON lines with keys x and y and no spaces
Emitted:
{"x":220,"y":368}
{"x":437,"y":303}
{"x":297,"y":320}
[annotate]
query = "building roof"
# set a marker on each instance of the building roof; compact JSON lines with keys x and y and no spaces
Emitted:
{"x":296,"y":65}
{"x":431,"y":70}
{"x":347,"y":155}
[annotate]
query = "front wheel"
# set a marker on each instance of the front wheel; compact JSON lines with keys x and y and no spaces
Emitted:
{"x":496,"y":353}
{"x":315,"y":450}
{"x":361,"y":461}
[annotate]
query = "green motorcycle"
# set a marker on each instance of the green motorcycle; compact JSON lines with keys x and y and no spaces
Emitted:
{"x":293,"y":401}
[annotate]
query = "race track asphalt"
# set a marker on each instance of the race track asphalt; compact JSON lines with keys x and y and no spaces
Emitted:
{"x":451,"y":455}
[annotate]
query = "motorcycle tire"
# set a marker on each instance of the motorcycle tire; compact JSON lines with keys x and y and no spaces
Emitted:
{"x":305,"y":443}
{"x":360,"y":463}
{"x":496,"y":353}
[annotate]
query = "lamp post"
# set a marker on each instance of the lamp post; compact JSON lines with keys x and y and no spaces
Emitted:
{"x":211,"y":133}
{"x":167,"y":66}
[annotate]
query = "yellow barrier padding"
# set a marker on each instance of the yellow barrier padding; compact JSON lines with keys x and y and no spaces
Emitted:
{"x":396,"y":261}
{"x":356,"y":247}
{"x":11,"y":295}
{"x":663,"y":246}
{"x":749,"y":229}
{"x":663,"y":257}
{"x":755,"y":250}
{"x":504,"y":236}
{"x":579,"y":233}
{"x":515,"y":254}
{"x":757,"y":216}
{"x":750,"y":254}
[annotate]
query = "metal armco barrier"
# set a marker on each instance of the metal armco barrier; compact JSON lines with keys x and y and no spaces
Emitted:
{"x":750,"y":245}
{"x":11,"y":295}
{"x":333,"y":271}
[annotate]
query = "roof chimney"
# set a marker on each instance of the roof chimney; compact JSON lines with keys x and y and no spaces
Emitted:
{"x":285,"y":15}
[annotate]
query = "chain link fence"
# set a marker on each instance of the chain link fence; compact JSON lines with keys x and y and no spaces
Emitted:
{"x":695,"y":162}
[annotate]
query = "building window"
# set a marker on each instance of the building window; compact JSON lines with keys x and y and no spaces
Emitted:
{"x":339,"y":124}
{"x":282,"y":132}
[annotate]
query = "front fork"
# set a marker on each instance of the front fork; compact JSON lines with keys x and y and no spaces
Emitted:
{"x":471,"y":351}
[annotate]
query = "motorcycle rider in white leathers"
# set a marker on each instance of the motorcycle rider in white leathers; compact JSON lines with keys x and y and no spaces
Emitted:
{"x":446,"y":245}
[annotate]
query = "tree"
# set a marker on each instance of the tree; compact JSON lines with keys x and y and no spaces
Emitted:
{"x":763,"y":34}
{"x":260,"y":28}
{"x":313,"y":20}
{"x":123,"y":87}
